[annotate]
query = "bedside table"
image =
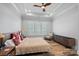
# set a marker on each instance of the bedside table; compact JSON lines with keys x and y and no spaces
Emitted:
{"x":48,"y":38}
{"x":7,"y":51}
{"x":1,"y":40}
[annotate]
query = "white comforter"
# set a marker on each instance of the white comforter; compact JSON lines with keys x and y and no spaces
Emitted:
{"x":32,"y":45}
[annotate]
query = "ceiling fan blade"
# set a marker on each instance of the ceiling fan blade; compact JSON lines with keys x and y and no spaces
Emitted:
{"x":47,"y":4}
{"x":36,"y":5}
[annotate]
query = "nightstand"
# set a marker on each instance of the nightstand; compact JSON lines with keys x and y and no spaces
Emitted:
{"x":7,"y":51}
{"x":1,"y":39}
{"x":48,"y":38}
{"x":1,"y":42}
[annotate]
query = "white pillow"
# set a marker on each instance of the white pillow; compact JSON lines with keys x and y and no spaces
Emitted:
{"x":47,"y":36}
{"x":9,"y":43}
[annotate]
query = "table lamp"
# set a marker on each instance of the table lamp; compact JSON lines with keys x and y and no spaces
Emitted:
{"x":50,"y":34}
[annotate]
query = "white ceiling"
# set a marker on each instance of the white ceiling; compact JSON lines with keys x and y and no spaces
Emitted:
{"x":53,"y":9}
{"x":29,"y":6}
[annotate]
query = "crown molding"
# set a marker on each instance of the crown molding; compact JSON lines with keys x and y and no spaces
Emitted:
{"x":15,"y":7}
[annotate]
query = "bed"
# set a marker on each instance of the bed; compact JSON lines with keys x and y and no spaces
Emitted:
{"x":33,"y":45}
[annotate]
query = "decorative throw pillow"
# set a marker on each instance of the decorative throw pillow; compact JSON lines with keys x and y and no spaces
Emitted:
{"x":16,"y":38}
{"x":9,"y":43}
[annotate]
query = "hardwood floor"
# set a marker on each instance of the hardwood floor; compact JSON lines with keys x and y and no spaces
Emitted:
{"x":56,"y":50}
{"x":59,"y":50}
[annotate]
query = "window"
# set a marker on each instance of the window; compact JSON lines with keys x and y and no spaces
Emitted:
{"x":36,"y":28}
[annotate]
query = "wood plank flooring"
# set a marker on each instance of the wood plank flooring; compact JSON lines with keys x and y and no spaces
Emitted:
{"x":59,"y":50}
{"x":56,"y":50}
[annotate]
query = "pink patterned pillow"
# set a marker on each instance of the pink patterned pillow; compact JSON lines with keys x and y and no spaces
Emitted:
{"x":16,"y":38}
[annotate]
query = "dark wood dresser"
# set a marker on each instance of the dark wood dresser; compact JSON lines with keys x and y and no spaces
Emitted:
{"x":66,"y":41}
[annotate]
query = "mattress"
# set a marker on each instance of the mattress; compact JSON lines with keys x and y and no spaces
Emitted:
{"x":33,"y":45}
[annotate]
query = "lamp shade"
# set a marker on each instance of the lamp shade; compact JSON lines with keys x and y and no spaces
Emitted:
{"x":2,"y":35}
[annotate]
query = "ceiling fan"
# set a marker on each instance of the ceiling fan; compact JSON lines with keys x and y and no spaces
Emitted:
{"x":43,"y":6}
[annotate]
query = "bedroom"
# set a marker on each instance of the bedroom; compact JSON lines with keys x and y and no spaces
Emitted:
{"x":59,"y":21}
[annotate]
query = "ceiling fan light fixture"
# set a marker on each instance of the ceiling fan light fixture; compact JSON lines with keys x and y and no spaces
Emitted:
{"x":42,"y":7}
